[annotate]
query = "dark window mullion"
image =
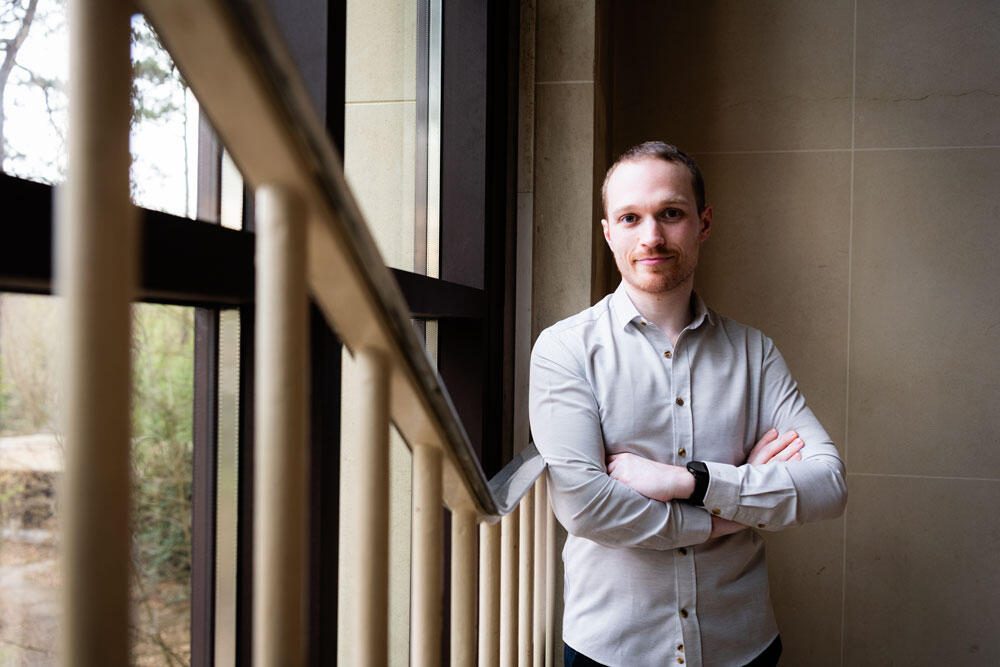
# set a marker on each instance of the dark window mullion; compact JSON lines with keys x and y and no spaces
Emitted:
{"x":203,"y":496}
{"x":206,"y":422}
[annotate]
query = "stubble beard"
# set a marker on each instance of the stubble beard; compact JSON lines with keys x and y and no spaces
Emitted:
{"x":675,"y":274}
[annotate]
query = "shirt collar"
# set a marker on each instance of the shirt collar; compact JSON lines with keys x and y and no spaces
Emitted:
{"x":624,"y":312}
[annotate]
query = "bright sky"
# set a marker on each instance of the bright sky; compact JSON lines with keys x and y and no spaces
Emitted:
{"x":35,"y":131}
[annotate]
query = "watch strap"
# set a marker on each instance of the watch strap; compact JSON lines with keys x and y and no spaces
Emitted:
{"x":701,"y":477}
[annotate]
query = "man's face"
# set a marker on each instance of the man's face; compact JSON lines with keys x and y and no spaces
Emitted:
{"x":653,"y":225}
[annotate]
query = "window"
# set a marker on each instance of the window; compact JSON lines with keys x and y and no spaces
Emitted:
{"x":193,"y":327}
{"x":186,"y":360}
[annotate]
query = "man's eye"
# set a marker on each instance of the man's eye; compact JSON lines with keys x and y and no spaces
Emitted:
{"x":628,"y":218}
{"x":672,"y":213}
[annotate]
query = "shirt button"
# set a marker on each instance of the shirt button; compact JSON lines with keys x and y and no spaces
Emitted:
{"x":760,"y":525}
{"x":680,"y":647}
{"x":716,"y":511}
{"x":667,"y":354}
{"x":679,"y":401}
{"x":643,"y":322}
{"x":684,"y":613}
{"x":682,"y":551}
{"x":682,"y":451}
{"x":680,"y":660}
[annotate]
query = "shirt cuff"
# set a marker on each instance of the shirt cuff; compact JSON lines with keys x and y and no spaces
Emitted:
{"x":697,"y":526}
{"x":723,"y":495}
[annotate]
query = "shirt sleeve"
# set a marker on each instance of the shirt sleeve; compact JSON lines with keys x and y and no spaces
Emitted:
{"x":566,"y":428}
{"x":782,"y":494}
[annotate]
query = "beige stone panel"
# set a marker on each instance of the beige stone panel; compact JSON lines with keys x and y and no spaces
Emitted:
{"x":565,"y":47}
{"x":381,"y":50}
{"x":776,"y":259}
{"x":925,"y":313}
{"x":733,"y":75}
{"x":562,"y":202}
{"x":806,"y":569}
{"x":379,"y":166}
{"x":922,"y":576}
{"x":927,"y":73}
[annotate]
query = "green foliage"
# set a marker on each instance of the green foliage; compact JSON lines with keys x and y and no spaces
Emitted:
{"x":162,"y":510}
{"x":155,"y":80}
{"x":162,"y":452}
{"x":163,"y":371}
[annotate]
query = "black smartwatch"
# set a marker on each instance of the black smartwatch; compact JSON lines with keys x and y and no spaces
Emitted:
{"x":701,"y":477}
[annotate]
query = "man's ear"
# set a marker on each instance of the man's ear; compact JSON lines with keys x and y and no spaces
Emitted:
{"x":705,"y":219}
{"x":607,"y":233}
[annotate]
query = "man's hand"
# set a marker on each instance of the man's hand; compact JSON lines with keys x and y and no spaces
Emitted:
{"x":659,"y":481}
{"x":771,"y":448}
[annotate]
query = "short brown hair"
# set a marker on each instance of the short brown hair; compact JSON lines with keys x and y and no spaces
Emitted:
{"x":662,"y":151}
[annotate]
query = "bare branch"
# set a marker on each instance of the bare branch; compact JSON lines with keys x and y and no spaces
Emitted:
{"x":11,"y":47}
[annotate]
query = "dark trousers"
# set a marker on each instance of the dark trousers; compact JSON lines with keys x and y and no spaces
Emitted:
{"x":768,"y":658}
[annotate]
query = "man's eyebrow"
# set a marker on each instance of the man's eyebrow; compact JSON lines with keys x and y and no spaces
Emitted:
{"x":663,"y":203}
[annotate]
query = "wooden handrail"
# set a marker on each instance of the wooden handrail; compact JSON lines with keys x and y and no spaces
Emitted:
{"x":234,"y":59}
{"x":232,"y":56}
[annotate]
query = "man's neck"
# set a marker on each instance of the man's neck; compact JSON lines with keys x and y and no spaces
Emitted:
{"x":670,"y":311}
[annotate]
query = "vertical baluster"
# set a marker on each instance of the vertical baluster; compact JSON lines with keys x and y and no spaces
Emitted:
{"x":371,"y":607}
{"x":96,"y":246}
{"x":489,"y":594}
{"x":463,"y":588}
{"x":551,"y":569}
{"x":509,"y":534}
{"x":538,"y":595}
{"x":280,"y":455}
{"x":425,"y":616}
{"x":525,"y":577}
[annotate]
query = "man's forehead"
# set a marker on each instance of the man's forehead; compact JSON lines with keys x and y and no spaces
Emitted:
{"x":649,"y":181}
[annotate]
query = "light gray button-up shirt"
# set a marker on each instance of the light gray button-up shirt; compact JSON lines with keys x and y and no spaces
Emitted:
{"x":644,"y":585}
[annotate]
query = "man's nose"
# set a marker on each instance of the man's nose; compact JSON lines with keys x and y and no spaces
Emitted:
{"x":650,"y":233}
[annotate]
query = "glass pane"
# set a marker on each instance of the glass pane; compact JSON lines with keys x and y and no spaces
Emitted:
{"x":380,"y":126}
{"x":34,"y":38}
{"x":227,"y":491}
{"x":164,"y":139}
{"x":162,"y":399}
{"x":231,"y":200}
{"x":30,"y":462}
{"x":31,"y":458}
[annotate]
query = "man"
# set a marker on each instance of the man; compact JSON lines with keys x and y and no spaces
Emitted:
{"x":659,"y":421}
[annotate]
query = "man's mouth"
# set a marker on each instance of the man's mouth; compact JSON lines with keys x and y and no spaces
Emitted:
{"x":653,"y":260}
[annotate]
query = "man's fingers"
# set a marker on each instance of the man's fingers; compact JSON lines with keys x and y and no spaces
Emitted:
{"x":792,"y":449}
{"x":765,"y":451}
{"x":616,"y":462}
{"x":768,"y":438}
{"x":797,"y":457}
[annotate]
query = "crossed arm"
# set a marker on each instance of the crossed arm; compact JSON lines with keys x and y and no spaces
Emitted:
{"x":627,"y":501}
{"x":665,"y":482}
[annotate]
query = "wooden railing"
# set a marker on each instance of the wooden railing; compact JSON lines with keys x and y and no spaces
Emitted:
{"x":312,"y":239}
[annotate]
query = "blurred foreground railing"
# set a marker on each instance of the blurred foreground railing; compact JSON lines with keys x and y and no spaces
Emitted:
{"x":311,"y":239}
